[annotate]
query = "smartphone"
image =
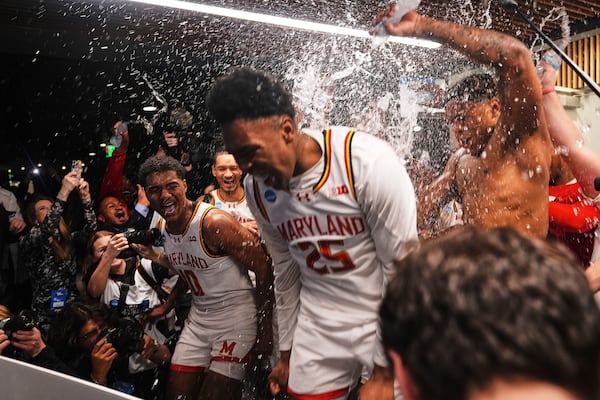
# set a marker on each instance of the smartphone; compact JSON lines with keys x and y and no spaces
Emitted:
{"x":77,"y":166}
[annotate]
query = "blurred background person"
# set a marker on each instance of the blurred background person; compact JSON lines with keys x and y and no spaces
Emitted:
{"x":14,"y":289}
{"x":190,"y":148}
{"x":492,"y":315}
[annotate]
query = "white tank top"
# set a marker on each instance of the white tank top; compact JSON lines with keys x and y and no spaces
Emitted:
{"x":239,"y":209}
{"x":216,"y":281}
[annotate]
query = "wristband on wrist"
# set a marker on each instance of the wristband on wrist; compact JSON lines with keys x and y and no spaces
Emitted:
{"x":548,"y":90}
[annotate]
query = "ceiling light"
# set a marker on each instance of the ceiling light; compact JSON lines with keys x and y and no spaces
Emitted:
{"x":281,"y":21}
{"x":91,"y":154}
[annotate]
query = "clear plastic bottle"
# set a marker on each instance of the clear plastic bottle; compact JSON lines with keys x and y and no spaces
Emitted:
{"x":402,"y":7}
{"x":552,"y":58}
{"x":117,"y":138}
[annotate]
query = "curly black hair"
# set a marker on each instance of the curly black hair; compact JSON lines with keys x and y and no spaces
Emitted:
{"x":160,"y":164}
{"x":476,"y":306}
{"x":474,"y":87}
{"x":67,"y":325}
{"x":248,"y":94}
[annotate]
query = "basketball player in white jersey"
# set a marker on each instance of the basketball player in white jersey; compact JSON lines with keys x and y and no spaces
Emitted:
{"x":212,"y":252}
{"x":335,"y":208}
{"x":230,"y":196}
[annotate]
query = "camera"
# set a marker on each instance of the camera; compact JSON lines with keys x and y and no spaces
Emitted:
{"x":180,"y":122}
{"x":147,"y":237}
{"x":21,"y":322}
{"x":127,"y":338}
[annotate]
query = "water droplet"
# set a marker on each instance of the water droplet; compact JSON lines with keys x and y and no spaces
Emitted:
{"x":562,"y":150}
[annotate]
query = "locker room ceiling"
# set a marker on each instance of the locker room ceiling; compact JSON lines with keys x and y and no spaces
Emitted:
{"x":63,"y":61}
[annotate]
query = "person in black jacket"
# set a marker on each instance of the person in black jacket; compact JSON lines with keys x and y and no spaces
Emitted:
{"x":27,"y":344}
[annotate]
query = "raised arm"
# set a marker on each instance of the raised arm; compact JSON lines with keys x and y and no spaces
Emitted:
{"x":518,"y":84}
{"x":582,"y":160}
{"x":99,"y":277}
{"x":434,"y":196}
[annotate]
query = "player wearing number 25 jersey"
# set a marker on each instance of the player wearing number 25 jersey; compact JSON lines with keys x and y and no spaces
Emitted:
{"x":212,"y":252}
{"x":335,"y":209}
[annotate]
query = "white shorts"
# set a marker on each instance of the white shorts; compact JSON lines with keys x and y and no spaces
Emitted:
{"x":326,"y":360}
{"x":221,"y":343}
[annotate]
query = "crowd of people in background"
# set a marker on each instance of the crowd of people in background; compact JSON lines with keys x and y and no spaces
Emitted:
{"x":345,"y":271}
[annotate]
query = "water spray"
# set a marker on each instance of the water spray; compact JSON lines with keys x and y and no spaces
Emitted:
{"x":512,"y":5}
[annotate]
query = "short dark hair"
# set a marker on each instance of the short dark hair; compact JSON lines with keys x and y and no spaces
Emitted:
{"x":472,"y":306}
{"x":248,"y":94}
{"x":160,"y":164}
{"x":66,"y":326}
{"x":218,"y":151}
{"x":474,"y":87}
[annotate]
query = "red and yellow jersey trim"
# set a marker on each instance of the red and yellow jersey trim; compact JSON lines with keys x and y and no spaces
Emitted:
{"x":326,"y":161}
{"x":240,"y":201}
{"x":348,"y":160}
{"x":258,"y":199}
{"x":159,"y":224}
{"x":187,"y":226}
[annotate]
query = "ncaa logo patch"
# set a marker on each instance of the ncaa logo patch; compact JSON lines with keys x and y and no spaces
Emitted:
{"x":270,"y":196}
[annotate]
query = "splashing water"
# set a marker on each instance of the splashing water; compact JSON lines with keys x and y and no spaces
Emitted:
{"x":555,"y":14}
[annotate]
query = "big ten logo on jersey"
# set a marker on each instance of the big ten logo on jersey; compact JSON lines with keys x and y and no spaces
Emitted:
{"x":175,"y":238}
{"x":339,"y":190}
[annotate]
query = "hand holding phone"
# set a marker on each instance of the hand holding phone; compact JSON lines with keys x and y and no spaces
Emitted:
{"x":77,"y":166}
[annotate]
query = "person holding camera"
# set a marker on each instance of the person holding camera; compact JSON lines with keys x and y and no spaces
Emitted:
{"x":21,"y":340}
{"x":98,"y":346}
{"x":131,"y":286}
{"x":49,"y":246}
{"x":180,"y":142}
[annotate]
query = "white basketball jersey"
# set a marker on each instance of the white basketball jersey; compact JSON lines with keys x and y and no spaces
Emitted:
{"x":216,"y":281}
{"x":239,"y":209}
{"x":343,"y":245}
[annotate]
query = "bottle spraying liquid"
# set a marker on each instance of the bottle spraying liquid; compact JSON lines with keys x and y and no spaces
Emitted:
{"x":552,"y":58}
{"x":402,"y":7}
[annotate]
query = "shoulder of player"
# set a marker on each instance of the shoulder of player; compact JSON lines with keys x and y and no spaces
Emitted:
{"x":216,"y":218}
